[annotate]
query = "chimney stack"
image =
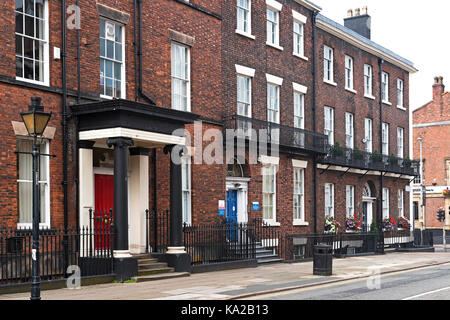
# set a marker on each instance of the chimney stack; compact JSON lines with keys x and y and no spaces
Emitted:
{"x":438,"y":88}
{"x":360,"y":22}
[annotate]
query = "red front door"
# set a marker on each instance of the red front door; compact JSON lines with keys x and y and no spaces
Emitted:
{"x":104,"y":202}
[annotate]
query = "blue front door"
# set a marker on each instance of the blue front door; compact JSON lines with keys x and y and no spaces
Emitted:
{"x":232,"y":214}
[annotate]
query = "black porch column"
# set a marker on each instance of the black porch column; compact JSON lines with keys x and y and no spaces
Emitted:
{"x":125,"y":265}
{"x":176,"y":255}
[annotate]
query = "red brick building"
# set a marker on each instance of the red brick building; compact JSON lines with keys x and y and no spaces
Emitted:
{"x":431,"y":124}
{"x":132,"y":72}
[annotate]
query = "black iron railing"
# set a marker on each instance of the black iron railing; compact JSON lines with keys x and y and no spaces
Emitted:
{"x":355,"y":158}
{"x":222,"y":242}
{"x":89,"y":248}
{"x":157,"y":230}
{"x":284,"y":136}
{"x":301,"y":247}
{"x":269,"y":237}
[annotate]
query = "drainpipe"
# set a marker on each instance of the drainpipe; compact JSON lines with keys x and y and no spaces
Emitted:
{"x":380,"y":211}
{"x":77,"y":162}
{"x":314,"y":15}
{"x":64,"y":128}
{"x":141,"y":92}
{"x":154,"y":181}
{"x":136,"y":57}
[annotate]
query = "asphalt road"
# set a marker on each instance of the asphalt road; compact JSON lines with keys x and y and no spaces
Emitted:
{"x":432,"y":283}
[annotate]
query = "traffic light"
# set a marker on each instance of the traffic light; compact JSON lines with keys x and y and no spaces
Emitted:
{"x":441,"y":215}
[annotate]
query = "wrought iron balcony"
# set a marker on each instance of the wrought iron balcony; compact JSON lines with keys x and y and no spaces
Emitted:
{"x":358,"y":159}
{"x":287,"y":138}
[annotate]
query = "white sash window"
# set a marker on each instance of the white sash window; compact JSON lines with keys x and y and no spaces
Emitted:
{"x":269,"y":192}
{"x":385,"y":87}
{"x":385,"y":203}
{"x":367,"y":80}
{"x":368,"y":134}
{"x":181,"y":86}
{"x":25,"y":184}
{"x":243,"y":16}
{"x":348,"y":72}
{"x":349,"y":140}
{"x":328,"y":64}
{"x":401,"y":196}
{"x":112,"y":56}
{"x":329,"y":124}
{"x":272,"y":27}
{"x":299,"y":202}
{"x":186,"y":189}
{"x":400,"y":93}
{"x":32,"y":45}
{"x":350,"y":201}
{"x":385,"y":138}
{"x":329,"y":200}
{"x":400,"y":144}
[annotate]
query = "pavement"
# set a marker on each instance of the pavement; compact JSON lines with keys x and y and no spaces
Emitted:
{"x":243,"y":283}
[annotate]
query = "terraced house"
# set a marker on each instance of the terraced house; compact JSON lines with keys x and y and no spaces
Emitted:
{"x":129,"y":82}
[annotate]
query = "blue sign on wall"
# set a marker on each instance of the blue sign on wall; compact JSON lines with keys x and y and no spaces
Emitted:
{"x":221,"y":208}
{"x":255,"y":206}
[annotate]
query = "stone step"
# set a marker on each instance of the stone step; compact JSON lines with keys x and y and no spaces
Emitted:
{"x":154,"y":271}
{"x":161,"y":276}
{"x":142,"y":256}
{"x":147,"y":261}
{"x":154,"y":265}
{"x":269,"y":260}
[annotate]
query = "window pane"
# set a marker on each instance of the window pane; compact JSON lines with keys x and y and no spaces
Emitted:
{"x":19,"y":67}
{"x":19,"y":23}
{"x":29,"y":7}
{"x":18,"y":45}
{"x":29,"y":26}
{"x":39,"y":8}
{"x":118,"y":33}
{"x":19,"y":5}
{"x":28,"y":69}
{"x":28,"y":47}
{"x":102,"y":28}
{"x":118,"y":52}
{"x":109,"y":87}
{"x":109,"y":68}
{"x":102,"y":47}
{"x":118,"y":91}
{"x":110,"y":49}
{"x":40,"y":28}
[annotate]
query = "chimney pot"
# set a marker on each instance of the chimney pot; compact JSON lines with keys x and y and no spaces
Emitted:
{"x":365,"y":10}
{"x":438,"y":88}
{"x":357,"y":12}
{"x":349,"y":13}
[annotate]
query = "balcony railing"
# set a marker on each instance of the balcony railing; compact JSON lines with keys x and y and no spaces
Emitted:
{"x":354,"y":158}
{"x":284,"y":136}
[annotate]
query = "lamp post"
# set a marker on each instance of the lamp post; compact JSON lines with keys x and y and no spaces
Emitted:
{"x":36,"y":121}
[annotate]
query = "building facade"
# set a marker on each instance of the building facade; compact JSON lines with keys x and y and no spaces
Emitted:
{"x":129,"y":81}
{"x":431,"y":126}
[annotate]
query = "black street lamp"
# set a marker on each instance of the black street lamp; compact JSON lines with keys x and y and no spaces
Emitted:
{"x":36,"y":121}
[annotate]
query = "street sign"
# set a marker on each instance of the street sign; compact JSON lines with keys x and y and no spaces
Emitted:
{"x":255,"y":206}
{"x":221,"y":207}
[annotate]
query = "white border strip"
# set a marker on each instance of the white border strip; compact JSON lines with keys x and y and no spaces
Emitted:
{"x":274,"y":5}
{"x":245,"y":71}
{"x":300,"y":88}
{"x":274,"y":79}
{"x":299,"y":17}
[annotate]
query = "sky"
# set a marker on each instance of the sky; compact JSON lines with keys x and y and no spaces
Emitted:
{"x":416,"y":30}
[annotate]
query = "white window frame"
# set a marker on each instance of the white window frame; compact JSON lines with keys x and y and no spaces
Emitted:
{"x":400,"y":142}
{"x":385,"y":139}
{"x":187,"y":80}
{"x":273,"y":103}
{"x":123,"y":63}
{"x":299,"y":195}
{"x":401,"y":203}
{"x":328,"y":65}
{"x":248,"y":32}
{"x":46,"y":183}
{"x":46,"y":63}
{"x":385,"y":87}
{"x":368,"y":123}
{"x":299,"y":37}
{"x":272,"y":169}
{"x":368,"y":81}
{"x":329,"y":124}
{"x":385,"y":203}
{"x":299,"y":110}
{"x":186,"y":169}
{"x":349,"y":70}
{"x":329,"y":200}
{"x":273,"y":27}
{"x":350,"y":201}
{"x":349,"y":130}
{"x":400,"y":94}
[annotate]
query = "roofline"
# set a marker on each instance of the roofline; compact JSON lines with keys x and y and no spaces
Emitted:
{"x":365,"y":44}
{"x":310,"y":5}
{"x":426,"y":104}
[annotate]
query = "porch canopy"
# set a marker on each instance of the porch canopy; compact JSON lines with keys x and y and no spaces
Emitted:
{"x":132,"y":127}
